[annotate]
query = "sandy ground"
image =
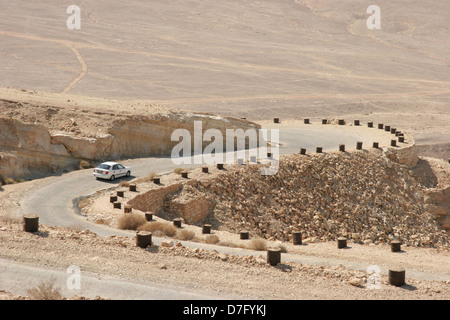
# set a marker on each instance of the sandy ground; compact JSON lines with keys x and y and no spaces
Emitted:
{"x":259,"y":60}
{"x":235,"y":275}
{"x":309,"y":271}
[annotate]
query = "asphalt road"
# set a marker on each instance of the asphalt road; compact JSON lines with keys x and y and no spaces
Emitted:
{"x":54,"y":203}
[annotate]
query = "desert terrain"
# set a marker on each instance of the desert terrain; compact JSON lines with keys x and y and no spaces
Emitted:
{"x":117,"y":87}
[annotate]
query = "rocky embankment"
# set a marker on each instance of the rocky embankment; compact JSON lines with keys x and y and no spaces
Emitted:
{"x":362,"y":195}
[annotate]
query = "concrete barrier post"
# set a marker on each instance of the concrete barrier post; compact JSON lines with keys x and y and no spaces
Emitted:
{"x":177,"y":222}
{"x":359,"y":145}
{"x":296,"y":237}
{"x":30,"y":223}
{"x":143,"y":239}
{"x":244,"y":235}
{"x":274,"y":256}
{"x":148,"y":216}
{"x":206,"y":229}
{"x":341,"y":242}
{"x":396,"y":246}
{"x":397,"y":277}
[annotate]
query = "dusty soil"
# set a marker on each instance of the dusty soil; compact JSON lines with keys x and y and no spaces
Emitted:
{"x":210,"y":270}
{"x":259,"y":60}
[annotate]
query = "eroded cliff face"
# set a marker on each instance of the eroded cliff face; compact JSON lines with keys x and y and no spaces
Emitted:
{"x":27,"y":150}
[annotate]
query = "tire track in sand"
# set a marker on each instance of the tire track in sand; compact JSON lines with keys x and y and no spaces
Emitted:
{"x":84,"y":67}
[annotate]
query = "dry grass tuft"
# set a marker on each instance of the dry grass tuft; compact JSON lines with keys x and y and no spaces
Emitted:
{"x":156,"y":227}
{"x":10,"y":218}
{"x":212,"y":239}
{"x":85,"y":164}
{"x":257,"y":244}
{"x":124,"y":184}
{"x":185,"y":235}
{"x":45,"y":291}
{"x":102,"y":221}
{"x":178,"y":170}
{"x":130,"y":221}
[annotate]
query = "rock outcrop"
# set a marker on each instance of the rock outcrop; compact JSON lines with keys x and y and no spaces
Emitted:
{"x":27,"y":149}
{"x":363,"y":196}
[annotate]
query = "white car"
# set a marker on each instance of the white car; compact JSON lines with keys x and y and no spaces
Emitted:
{"x":111,"y":171}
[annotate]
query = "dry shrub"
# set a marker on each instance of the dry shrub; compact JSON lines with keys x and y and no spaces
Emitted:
{"x":257,"y":244}
{"x":159,"y":227}
{"x":185,"y":235}
{"x":84,"y":203}
{"x":212,"y":239}
{"x":85,"y":164}
{"x":8,"y":180}
{"x":147,"y":178}
{"x":130,"y":221}
{"x":124,"y":184}
{"x":102,"y":221}
{"x":45,"y":291}
{"x":10,"y":218}
{"x":178,"y":170}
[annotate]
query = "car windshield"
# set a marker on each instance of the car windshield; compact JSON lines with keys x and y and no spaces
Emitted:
{"x":103,"y":166}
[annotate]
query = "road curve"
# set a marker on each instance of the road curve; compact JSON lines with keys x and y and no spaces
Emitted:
{"x":54,"y":200}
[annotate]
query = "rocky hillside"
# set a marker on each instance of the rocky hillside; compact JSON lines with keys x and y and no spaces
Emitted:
{"x":48,"y":134}
{"x":362,"y":195}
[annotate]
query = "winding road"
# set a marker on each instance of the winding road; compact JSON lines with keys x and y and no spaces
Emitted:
{"x":54,"y":203}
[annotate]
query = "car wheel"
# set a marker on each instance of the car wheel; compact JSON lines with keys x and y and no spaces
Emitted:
{"x":112,"y":178}
{"x":128,"y":173}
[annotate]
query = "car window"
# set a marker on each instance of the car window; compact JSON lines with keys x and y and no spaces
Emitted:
{"x":114,"y":167}
{"x":104,"y":166}
{"x":120,"y":166}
